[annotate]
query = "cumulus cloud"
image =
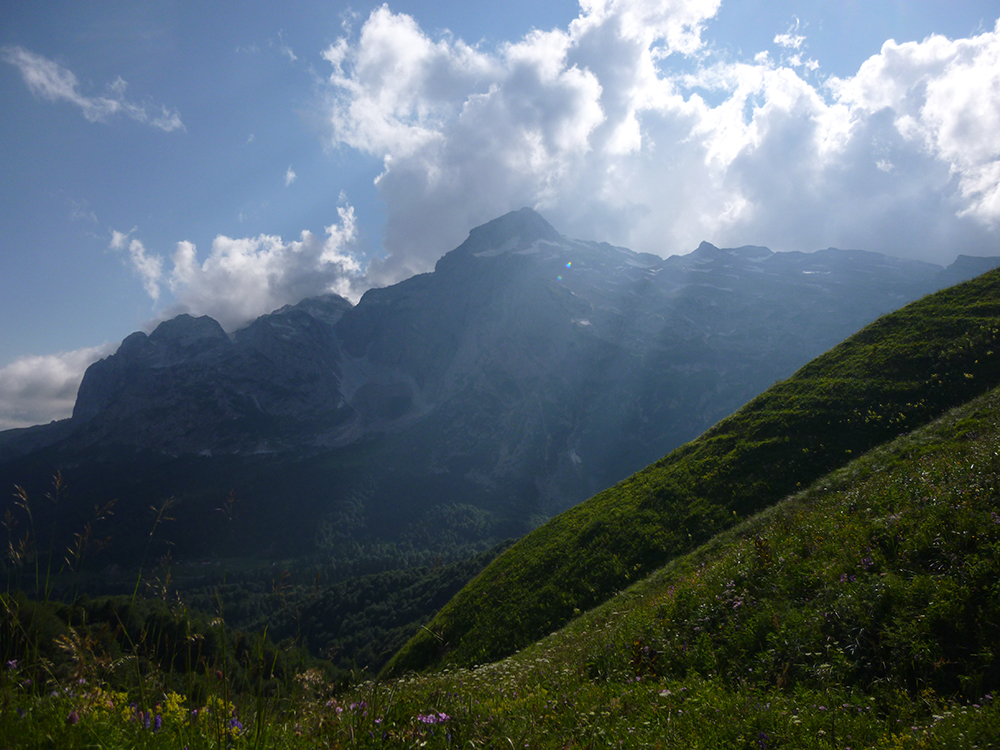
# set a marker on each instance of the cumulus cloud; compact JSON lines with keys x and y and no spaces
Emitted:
{"x":289,"y":176}
{"x":944,"y":96}
{"x":39,"y":389}
{"x":244,"y":278}
{"x":49,"y":80}
{"x":625,"y":126}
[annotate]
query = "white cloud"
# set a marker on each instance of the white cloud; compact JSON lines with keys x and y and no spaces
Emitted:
{"x":39,"y":389}
{"x":49,"y":80}
{"x":289,"y":176}
{"x":148,"y":267}
{"x":284,"y":49}
{"x":244,"y":278}
{"x":945,"y":98}
{"x":791,"y":39}
{"x":626,"y":127}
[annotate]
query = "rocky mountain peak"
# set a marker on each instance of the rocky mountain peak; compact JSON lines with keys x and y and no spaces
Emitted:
{"x":513,"y":232}
{"x":328,"y":308}
{"x":707,"y":250}
{"x":186,"y":331}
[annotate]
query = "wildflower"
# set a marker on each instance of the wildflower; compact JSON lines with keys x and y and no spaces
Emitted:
{"x":73,"y":718}
{"x":12,"y":664}
{"x":438,"y":718}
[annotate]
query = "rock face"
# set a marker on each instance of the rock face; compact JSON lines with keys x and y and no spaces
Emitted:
{"x":527,"y":371}
{"x":189,"y":387}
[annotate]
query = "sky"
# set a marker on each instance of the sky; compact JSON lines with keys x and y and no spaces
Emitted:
{"x":228,"y":158}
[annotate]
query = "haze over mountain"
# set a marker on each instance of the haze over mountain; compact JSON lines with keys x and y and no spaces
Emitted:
{"x":527,"y":372}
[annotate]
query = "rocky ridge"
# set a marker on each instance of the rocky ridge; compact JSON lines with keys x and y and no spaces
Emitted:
{"x":529,"y":370}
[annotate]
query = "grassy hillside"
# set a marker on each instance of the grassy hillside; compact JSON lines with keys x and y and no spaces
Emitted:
{"x":898,"y":373}
{"x":863,"y":611}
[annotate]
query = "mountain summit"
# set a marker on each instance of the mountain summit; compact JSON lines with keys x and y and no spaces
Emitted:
{"x":516,"y":232}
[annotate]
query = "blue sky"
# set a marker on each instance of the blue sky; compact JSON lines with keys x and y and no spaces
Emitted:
{"x":228,"y":158}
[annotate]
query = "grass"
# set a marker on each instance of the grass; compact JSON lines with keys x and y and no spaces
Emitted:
{"x":902,"y":371}
{"x":863,"y":611}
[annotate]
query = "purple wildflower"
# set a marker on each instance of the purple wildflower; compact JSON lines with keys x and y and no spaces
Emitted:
{"x":438,"y":718}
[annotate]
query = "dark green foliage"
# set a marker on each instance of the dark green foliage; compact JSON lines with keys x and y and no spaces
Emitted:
{"x":119,"y":639}
{"x":356,"y":624}
{"x":898,"y":373}
{"x":356,"y":600}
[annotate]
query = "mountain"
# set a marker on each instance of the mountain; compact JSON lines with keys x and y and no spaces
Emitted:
{"x":526,"y":373}
{"x":897,"y":374}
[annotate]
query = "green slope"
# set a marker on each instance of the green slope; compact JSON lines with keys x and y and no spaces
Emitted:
{"x":863,"y":611}
{"x":884,"y":574}
{"x":898,"y":373}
